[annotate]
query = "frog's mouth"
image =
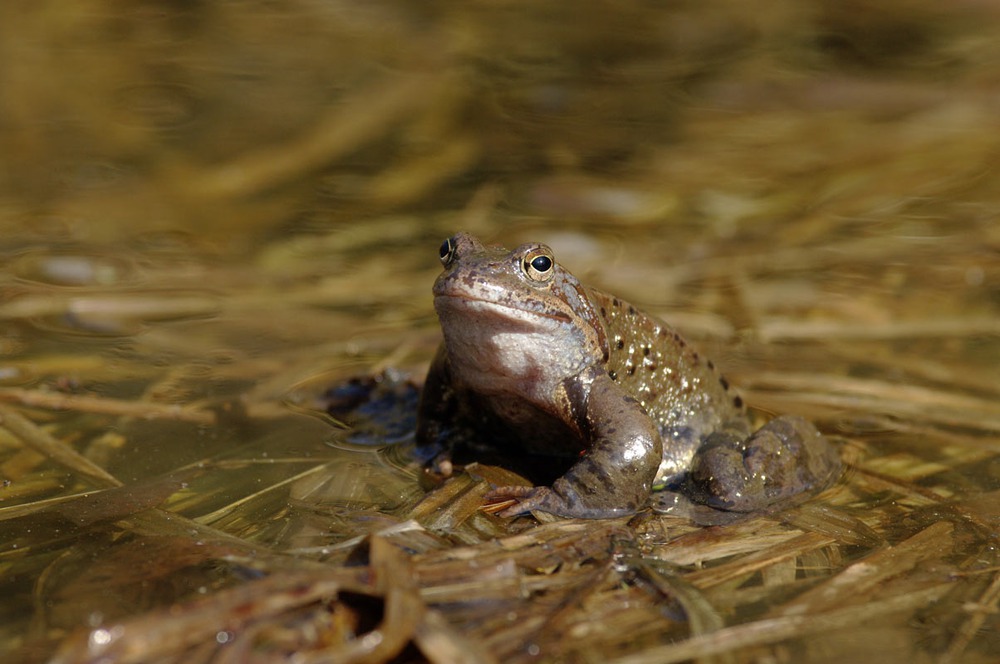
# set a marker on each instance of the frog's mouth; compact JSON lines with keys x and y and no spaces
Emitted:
{"x":478,"y":306}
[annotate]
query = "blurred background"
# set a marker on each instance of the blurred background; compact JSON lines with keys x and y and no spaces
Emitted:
{"x":239,"y":121}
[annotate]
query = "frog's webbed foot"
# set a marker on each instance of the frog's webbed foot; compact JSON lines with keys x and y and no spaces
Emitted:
{"x":782,"y":459}
{"x":552,"y":500}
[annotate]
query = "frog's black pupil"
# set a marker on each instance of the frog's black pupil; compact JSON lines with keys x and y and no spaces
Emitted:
{"x":541,"y":263}
{"x":445,"y":249}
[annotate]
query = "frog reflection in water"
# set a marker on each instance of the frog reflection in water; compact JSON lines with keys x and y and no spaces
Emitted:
{"x":535,"y":361}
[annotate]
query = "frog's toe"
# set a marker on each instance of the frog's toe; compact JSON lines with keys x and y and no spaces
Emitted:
{"x":436,"y":471}
{"x":436,"y":460}
{"x":443,"y":466}
{"x":560,"y":500}
{"x":511,"y":501}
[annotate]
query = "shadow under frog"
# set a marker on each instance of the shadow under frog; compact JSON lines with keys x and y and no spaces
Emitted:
{"x":535,"y":363}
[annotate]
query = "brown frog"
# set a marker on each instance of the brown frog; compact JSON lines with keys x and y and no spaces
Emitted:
{"x":535,"y":361}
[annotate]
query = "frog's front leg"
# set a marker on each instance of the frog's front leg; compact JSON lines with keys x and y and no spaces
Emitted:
{"x":785,"y":457}
{"x":615,"y":475}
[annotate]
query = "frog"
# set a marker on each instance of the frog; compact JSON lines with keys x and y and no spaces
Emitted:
{"x":535,"y":362}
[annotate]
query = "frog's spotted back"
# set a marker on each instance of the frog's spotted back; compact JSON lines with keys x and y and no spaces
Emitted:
{"x":679,"y":388}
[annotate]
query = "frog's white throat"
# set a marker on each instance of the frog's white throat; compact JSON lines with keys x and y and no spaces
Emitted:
{"x":496,"y":349}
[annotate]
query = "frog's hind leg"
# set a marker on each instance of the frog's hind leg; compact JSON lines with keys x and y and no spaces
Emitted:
{"x":785,"y":457}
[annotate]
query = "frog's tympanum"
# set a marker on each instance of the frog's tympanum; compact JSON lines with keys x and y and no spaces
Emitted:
{"x":535,"y":362}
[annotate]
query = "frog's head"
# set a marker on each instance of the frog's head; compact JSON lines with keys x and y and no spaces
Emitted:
{"x":511,"y":318}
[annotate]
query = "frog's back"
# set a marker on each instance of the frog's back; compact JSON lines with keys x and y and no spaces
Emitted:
{"x":677,"y":386}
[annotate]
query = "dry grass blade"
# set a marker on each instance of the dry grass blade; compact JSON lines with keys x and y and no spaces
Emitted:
{"x":240,"y":618}
{"x":103,"y":405}
{"x":758,"y":561}
{"x":961,"y":327}
{"x":96,"y":308}
{"x":170,"y":631}
{"x":392,"y":579}
{"x":443,"y":644}
{"x":39,"y":440}
{"x":844,"y":528}
{"x":357,"y":120}
{"x":701,"y":615}
{"x":910,"y":403}
{"x":856,"y":583}
{"x":989,"y":603}
{"x":774,"y":630}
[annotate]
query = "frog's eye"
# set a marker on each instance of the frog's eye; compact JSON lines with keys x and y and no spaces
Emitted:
{"x":538,"y":264}
{"x":447,"y":252}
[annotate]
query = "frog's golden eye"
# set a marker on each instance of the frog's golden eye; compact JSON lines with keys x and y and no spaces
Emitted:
{"x":538,"y":264}
{"x":447,"y":252}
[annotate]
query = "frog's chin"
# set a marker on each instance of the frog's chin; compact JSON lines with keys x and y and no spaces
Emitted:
{"x":496,"y":348}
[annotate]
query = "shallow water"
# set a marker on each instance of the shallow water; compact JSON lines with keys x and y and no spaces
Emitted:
{"x":210,"y":215}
